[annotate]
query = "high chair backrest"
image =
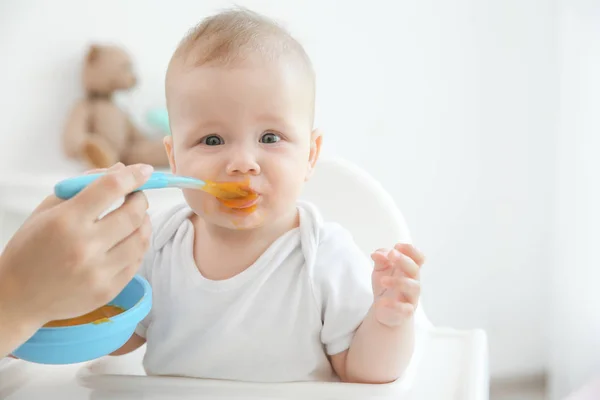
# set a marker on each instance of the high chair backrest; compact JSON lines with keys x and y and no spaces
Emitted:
{"x":348,"y":195}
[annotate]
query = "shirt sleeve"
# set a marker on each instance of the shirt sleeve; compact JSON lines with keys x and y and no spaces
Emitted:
{"x":342,"y":279}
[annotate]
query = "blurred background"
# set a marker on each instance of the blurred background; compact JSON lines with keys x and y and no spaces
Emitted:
{"x":480,"y":117}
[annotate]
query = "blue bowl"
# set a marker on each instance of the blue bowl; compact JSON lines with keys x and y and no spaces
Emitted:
{"x":79,"y":343}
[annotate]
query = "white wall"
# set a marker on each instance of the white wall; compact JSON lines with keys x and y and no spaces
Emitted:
{"x":449,"y":103}
{"x":575,"y":322}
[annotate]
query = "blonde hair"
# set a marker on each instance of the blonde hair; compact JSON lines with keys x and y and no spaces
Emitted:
{"x":236,"y":35}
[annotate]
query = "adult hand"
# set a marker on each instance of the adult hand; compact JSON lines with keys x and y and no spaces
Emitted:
{"x":65,"y":261}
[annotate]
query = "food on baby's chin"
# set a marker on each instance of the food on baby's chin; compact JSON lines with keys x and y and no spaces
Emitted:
{"x":99,"y":315}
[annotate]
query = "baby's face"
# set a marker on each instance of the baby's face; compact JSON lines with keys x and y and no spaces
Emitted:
{"x":250,"y":123}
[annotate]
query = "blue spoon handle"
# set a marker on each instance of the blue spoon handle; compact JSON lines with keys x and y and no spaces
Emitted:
{"x":70,"y":187}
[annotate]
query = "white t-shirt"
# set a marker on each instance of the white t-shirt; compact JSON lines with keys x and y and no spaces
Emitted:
{"x":277,"y":321}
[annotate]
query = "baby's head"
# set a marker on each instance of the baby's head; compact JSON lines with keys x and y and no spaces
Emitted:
{"x":240,"y":96}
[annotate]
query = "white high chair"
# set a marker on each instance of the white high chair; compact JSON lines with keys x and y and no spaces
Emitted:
{"x":448,"y":364}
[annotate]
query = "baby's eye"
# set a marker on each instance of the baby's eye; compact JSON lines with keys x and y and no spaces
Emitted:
{"x":270,"y":138}
{"x":212,"y":140}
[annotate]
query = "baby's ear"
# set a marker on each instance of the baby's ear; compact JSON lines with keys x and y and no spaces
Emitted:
{"x":168,"y":142}
{"x":316,"y":138}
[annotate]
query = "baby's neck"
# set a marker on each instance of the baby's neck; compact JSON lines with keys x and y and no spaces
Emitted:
{"x":222,"y":253}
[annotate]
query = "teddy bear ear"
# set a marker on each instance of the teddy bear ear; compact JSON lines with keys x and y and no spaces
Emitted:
{"x":93,"y":53}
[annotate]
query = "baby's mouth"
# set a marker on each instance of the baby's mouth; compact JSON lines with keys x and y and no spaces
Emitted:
{"x":242,"y":203}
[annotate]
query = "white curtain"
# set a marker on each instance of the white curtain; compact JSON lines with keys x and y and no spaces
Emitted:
{"x":574,"y":309}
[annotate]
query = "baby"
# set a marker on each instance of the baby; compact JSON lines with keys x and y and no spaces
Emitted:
{"x":268,"y":291}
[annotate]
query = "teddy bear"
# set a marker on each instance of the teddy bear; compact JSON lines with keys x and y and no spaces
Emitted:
{"x":97,"y":131}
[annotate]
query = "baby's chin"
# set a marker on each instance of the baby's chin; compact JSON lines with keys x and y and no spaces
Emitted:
{"x":234,"y":220}
{"x":222,"y":217}
{"x":218,"y":213}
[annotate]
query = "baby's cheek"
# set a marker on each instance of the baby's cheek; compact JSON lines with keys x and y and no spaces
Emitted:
{"x":292,"y":186}
{"x":190,"y":164}
{"x":205,"y":208}
{"x":196,"y":200}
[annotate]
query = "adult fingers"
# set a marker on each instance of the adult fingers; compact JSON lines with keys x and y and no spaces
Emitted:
{"x":115,"y":167}
{"x":104,"y":191}
{"x":122,"y":262}
{"x":124,"y":277}
{"x":52,"y":201}
{"x":124,"y":221}
{"x":46,"y":204}
{"x":115,"y":284}
{"x":131,"y":250}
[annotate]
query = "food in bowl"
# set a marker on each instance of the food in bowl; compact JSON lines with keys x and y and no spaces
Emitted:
{"x":80,"y":343}
{"x":97,"y":316}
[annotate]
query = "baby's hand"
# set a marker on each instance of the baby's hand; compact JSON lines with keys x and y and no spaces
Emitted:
{"x":396,"y":283}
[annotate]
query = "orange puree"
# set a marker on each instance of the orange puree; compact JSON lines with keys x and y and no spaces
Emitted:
{"x":235,"y":195}
{"x":228,"y":190}
{"x":99,"y":315}
{"x":242,"y":204}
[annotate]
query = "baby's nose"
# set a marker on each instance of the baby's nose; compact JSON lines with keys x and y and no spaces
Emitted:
{"x":243,"y":164}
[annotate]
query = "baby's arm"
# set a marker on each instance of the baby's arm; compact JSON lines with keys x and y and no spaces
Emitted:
{"x":134,"y":343}
{"x":378,"y":353}
{"x":383,"y":344}
{"x":369,"y":324}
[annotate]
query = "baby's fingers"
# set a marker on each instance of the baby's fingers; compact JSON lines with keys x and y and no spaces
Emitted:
{"x":381,"y":261}
{"x":411,"y":251}
{"x":405,"y":264}
{"x":403,"y":289}
{"x":393,"y":313}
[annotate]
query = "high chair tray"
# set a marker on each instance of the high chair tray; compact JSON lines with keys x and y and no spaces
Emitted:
{"x":453,"y":366}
